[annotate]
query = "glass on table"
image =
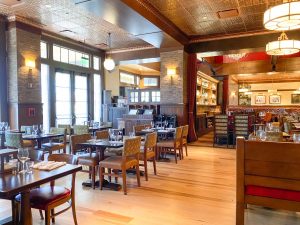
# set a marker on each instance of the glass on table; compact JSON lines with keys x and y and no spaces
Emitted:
{"x":35,"y":129}
{"x":131,"y":134}
{"x":296,"y":138}
{"x":23,"y":156}
{"x":29,"y":166}
{"x":13,"y":164}
{"x":261,"y":134}
{"x":41,"y":128}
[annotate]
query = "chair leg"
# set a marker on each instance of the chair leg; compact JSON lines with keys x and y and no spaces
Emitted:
{"x":90,"y":172}
{"x":186,"y":153}
{"x":52,"y":214}
{"x":146,"y":169}
{"x":240,"y":214}
{"x":124,"y":181}
{"x":93,"y":176}
{"x":154,"y":165}
{"x":116,"y":178}
{"x":138,"y":177}
{"x":109,"y":177}
{"x":15,"y":212}
{"x":74,"y":211}
{"x":175,"y":155}
{"x":41,"y":214}
{"x":47,"y":217}
{"x":101,"y":177}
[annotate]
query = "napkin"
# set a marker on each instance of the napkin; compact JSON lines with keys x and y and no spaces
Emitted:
{"x":48,"y":165}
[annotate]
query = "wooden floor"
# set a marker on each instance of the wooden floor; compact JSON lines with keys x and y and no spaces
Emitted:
{"x":198,"y":190}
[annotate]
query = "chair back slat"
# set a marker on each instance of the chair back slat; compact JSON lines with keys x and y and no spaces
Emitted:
{"x":150,"y":141}
{"x":138,"y":128}
{"x":67,"y":158}
{"x":103,"y":134}
{"x":76,"y":139}
{"x":132,"y":146}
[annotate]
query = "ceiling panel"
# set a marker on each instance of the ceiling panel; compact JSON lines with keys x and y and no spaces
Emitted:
{"x":59,"y":15}
{"x":199,"y":17}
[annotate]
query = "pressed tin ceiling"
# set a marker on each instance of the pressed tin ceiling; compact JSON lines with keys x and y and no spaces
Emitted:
{"x":202,"y":17}
{"x":65,"y":18}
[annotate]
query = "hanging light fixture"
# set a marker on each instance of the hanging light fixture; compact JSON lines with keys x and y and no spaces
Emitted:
{"x":282,"y":17}
{"x":283,"y":46}
{"x":109,"y":63}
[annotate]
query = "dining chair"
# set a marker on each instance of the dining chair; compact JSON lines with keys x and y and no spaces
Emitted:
{"x":172,"y":146}
{"x":148,"y":152}
{"x":80,"y":129}
{"x":47,"y":198}
{"x":129,"y":159}
{"x":58,"y":143}
{"x":28,"y":130}
{"x":138,"y":128}
{"x":15,"y":140}
{"x":185,"y":133}
{"x":69,"y":130}
{"x":90,"y":160}
{"x":102,"y":134}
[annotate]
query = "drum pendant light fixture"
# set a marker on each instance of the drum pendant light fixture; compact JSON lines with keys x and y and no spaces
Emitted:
{"x":283,"y":46}
{"x":283,"y":17}
{"x":109,"y":63}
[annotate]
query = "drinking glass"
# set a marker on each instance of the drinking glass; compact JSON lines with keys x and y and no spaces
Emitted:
{"x":94,"y":138}
{"x":6,"y":125}
{"x":29,"y":166}
{"x":296,"y":138}
{"x":23,"y":157}
{"x":269,"y":126}
{"x":262,"y":135}
{"x":120,"y":135}
{"x":1,"y":125}
{"x":41,"y":128}
{"x":152,"y":124}
{"x":112,"y":134}
{"x":35,"y":129}
{"x":131,"y":134}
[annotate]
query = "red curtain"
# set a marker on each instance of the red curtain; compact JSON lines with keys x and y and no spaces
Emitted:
{"x":225,"y":94}
{"x":191,"y":82}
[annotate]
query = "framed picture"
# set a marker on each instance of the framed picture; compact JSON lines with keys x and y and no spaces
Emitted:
{"x":295,"y":98}
{"x":275,"y":99}
{"x":31,"y":112}
{"x":260,"y":99}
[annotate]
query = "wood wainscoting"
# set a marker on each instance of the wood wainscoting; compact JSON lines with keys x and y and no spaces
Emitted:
{"x":180,"y":110}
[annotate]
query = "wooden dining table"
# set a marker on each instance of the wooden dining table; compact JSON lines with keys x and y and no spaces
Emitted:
{"x":12,"y":185}
{"x":40,"y":137}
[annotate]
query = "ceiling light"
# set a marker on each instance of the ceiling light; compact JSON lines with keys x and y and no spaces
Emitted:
{"x":283,"y":46}
{"x":109,"y":63}
{"x":283,"y":17}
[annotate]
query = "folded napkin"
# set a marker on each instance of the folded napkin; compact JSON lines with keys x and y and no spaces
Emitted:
{"x":48,"y":165}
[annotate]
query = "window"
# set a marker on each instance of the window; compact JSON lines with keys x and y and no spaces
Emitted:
{"x":44,"y":50}
{"x":45,"y":96}
{"x":134,"y":96}
{"x":155,"y":96}
{"x":96,"y":61}
{"x":138,"y":80}
{"x":97,"y":97}
{"x":70,"y":56}
{"x":81,"y":99}
{"x":127,"y":78}
{"x":150,"y":82}
{"x":145,"y":96}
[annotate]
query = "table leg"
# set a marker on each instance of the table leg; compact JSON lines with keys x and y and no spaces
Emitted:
{"x":39,"y":142}
{"x":26,"y":216}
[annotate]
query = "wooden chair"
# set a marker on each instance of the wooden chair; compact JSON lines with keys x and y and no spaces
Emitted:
{"x":80,"y":129}
{"x":58,"y":143}
{"x":28,"y":143}
{"x":129,"y":159}
{"x":69,"y":131}
{"x":138,"y":128}
{"x":185,"y":133}
{"x":47,"y":198}
{"x":103,"y":134}
{"x":171,"y":146}
{"x":148,"y":151}
{"x":267,"y":175}
{"x":91,"y":160}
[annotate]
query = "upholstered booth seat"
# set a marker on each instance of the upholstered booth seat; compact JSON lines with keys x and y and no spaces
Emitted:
{"x":40,"y":198}
{"x":273,"y":193}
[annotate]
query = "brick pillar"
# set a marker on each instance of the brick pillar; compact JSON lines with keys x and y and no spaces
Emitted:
{"x":24,"y":84}
{"x":174,"y":89}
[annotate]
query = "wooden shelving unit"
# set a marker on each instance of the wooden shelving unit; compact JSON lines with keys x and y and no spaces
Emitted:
{"x":206,"y":90}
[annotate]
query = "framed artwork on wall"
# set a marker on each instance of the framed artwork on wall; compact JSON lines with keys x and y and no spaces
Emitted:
{"x":275,"y":99}
{"x":260,"y":99}
{"x":295,"y":98}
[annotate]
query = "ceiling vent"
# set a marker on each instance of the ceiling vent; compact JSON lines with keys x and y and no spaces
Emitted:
{"x":228,"y":13}
{"x":11,"y":3}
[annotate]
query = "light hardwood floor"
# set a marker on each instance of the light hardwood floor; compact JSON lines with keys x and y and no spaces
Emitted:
{"x":198,"y":190}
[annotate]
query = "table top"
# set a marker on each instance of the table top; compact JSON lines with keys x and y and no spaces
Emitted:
{"x":11,"y":184}
{"x":5,"y":152}
{"x":40,"y":136}
{"x":2,"y":132}
{"x":100,"y":127}
{"x":159,"y":131}
{"x":103,"y":144}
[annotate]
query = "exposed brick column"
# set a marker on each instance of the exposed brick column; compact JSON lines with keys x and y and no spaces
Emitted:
{"x":174,"y":90}
{"x":24,"y":86}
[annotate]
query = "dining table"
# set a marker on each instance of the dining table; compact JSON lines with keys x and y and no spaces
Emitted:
{"x":14,"y":184}
{"x":39,"y":138}
{"x":99,"y":146}
{"x":161,"y":132}
{"x":101,"y":127}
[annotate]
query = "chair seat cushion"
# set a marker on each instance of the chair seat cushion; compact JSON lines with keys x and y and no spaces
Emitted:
{"x":165,"y":144}
{"x":115,"y":162}
{"x":150,"y":154}
{"x":273,"y":193}
{"x":113,"y":151}
{"x":88,"y":159}
{"x":28,"y":143}
{"x":41,"y":197}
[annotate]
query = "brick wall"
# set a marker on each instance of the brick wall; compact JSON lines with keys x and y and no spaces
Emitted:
{"x":173,"y":91}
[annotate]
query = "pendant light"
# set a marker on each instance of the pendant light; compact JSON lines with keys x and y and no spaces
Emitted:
{"x":109,"y":63}
{"x":283,"y":46}
{"x":282,"y":17}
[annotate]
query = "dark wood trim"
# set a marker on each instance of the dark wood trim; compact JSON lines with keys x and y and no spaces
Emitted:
{"x":155,"y":17}
{"x":180,"y":110}
{"x":25,"y":27}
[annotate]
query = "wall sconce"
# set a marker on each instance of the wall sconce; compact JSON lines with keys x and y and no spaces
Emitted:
{"x":31,"y":65}
{"x":171,"y":72}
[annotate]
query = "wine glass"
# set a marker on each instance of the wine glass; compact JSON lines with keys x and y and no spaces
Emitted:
{"x":120,"y":135}
{"x":41,"y":128}
{"x":112,"y":134}
{"x":6,"y":125}
{"x":23,"y":157}
{"x":35,"y":129}
{"x":262,"y":135}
